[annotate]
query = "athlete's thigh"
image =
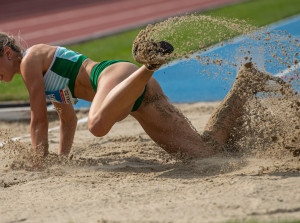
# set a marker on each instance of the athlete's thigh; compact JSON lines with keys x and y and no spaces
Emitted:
{"x":163,"y":122}
{"x":155,"y":106}
{"x":108,"y":79}
{"x":111,"y":77}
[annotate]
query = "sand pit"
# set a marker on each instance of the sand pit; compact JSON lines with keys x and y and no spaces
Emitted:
{"x":125,"y":177}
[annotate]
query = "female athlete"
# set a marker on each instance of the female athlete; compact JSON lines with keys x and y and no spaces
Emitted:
{"x":116,"y":89}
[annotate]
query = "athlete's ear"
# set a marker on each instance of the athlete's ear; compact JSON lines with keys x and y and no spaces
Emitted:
{"x":8,"y":52}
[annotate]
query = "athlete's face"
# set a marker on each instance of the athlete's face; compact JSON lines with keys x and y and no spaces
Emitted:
{"x":7,"y":70}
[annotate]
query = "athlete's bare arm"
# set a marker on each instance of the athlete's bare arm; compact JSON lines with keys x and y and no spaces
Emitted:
{"x":68,"y":123}
{"x":32,"y":74}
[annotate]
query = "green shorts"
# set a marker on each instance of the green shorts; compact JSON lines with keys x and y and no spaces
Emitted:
{"x":97,"y":71}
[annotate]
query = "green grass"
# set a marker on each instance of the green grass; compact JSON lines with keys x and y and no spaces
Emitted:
{"x":260,"y":12}
{"x":109,"y":48}
{"x":196,"y":32}
{"x":255,"y":12}
{"x":13,"y":91}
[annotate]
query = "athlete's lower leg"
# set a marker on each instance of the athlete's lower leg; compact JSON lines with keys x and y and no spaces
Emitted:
{"x":249,"y":81}
{"x":169,"y":128}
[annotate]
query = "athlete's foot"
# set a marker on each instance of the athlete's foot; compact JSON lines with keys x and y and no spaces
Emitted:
{"x":251,"y":80}
{"x":152,"y":54}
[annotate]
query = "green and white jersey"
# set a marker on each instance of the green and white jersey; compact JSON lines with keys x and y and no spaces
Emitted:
{"x":59,"y":80}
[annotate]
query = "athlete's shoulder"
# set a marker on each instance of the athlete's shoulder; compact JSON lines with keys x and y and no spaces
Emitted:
{"x":39,"y":55}
{"x":39,"y":49}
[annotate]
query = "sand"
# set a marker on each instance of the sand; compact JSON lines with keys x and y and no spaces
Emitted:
{"x":125,"y":177}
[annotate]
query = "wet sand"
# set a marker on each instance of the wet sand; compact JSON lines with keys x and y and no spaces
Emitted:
{"x":125,"y":177}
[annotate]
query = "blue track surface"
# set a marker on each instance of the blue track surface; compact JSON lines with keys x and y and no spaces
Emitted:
{"x":187,"y":81}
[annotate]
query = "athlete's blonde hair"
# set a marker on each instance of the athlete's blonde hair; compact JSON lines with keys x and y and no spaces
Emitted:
{"x":10,"y":41}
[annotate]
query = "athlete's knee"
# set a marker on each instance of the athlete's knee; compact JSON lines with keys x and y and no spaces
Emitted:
{"x":98,"y":127}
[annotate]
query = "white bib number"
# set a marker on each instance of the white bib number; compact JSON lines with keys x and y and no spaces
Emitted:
{"x":63,"y":96}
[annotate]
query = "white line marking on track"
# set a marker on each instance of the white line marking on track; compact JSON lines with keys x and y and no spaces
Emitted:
{"x":287,"y":71}
{"x":82,"y":120}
